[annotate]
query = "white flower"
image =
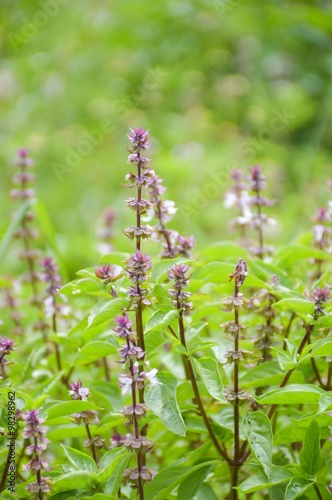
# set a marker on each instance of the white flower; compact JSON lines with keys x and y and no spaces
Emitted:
{"x":49,"y":308}
{"x":84,"y":393}
{"x":151,"y":376}
{"x":125,"y":383}
{"x":318,"y":231}
{"x":230,"y":200}
{"x":149,"y":215}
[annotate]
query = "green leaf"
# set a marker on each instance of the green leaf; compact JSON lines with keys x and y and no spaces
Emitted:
{"x":310,"y":456}
{"x":194,"y":330}
{"x":99,"y":496}
{"x":293,"y":253}
{"x":190,"y":485}
{"x":205,"y":492}
{"x":299,"y":306}
{"x":296,"y":488}
{"x":321,"y":348}
{"x":291,"y":394}
{"x":268,"y":373}
{"x":68,"y":407}
{"x":93,"y":351}
{"x":113,"y":465}
{"x":105,"y":310}
{"x":161,"y":399}
{"x":10,"y":232}
{"x":324,"y":321}
{"x":208,"y":369}
{"x":168,"y":479}
{"x":223,"y":250}
{"x":160,"y":320}
{"x":81,"y":480}
{"x":260,"y":481}
{"x":117,"y":258}
{"x":80,"y":460}
{"x":5,"y":383}
{"x":81,"y":286}
{"x":219,"y":272}
{"x":257,"y":428}
{"x":46,"y":225}
{"x":325,"y":402}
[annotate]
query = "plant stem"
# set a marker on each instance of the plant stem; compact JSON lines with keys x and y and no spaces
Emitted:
{"x":288,"y":329}
{"x":6,"y":469}
{"x":260,"y":227}
{"x":136,"y":429}
{"x":318,"y":493}
{"x":106,"y":370}
{"x":93,"y":449}
{"x":54,"y":327}
{"x":329,"y":377}
{"x":198,"y":399}
{"x":236,"y":461}
{"x":139,"y":312}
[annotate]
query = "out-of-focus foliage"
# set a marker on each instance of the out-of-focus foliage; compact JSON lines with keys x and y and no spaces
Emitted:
{"x":218,"y":83}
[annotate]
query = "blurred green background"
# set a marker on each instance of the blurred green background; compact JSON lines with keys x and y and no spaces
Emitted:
{"x":219,"y":83}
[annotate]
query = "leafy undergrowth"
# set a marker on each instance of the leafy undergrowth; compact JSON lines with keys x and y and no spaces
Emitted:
{"x":169,"y":377}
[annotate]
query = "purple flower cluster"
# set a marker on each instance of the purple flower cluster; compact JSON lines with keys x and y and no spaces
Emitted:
{"x":174,"y":244}
{"x":33,"y":430}
{"x":239,"y":196}
{"x":178,"y":274}
{"x":22,"y":178}
{"x":50,"y":276}
{"x":137,"y":267}
{"x":139,"y":143}
{"x":319,"y":297}
{"x":6,"y":347}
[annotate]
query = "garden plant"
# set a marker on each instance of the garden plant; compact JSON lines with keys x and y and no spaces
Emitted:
{"x":167,"y":373}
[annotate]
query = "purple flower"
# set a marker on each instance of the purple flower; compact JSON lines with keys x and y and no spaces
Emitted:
{"x":240,"y":273}
{"x":131,"y":352}
{"x":139,"y":138}
{"x":77,"y":391}
{"x":178,"y":273}
{"x":137,"y":267}
{"x":108,"y":273}
{"x":256,"y":178}
{"x":6,"y":346}
{"x":124,"y":327}
{"x":50,"y":275}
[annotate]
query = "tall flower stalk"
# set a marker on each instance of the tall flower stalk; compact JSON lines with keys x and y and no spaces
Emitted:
{"x":139,"y":143}
{"x":6,"y":347}
{"x":238,"y":196}
{"x":236,"y":395}
{"x":27,"y":233}
{"x":132,"y":383}
{"x":321,"y":232}
{"x":51,"y":278}
{"x":180,"y":299}
{"x":33,"y":430}
{"x":257,"y":183}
